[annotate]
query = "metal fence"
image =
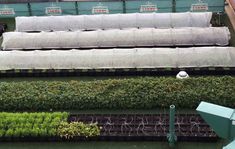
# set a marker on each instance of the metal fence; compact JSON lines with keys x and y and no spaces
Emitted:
{"x":9,"y":8}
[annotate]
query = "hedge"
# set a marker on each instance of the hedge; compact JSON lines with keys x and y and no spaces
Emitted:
{"x":20,"y":125}
{"x":133,"y":93}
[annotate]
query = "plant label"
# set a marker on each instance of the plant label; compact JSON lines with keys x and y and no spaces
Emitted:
{"x":7,"y":12}
{"x":53,"y":10}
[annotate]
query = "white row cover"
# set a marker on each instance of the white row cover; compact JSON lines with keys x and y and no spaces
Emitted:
{"x":113,"y":21}
{"x":119,"y":58}
{"x":117,"y":38}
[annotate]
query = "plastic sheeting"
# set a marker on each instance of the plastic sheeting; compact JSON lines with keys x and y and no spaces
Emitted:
{"x":117,"y":38}
{"x":113,"y":21}
{"x":119,"y":58}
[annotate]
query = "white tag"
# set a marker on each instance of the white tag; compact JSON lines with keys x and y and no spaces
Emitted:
{"x":199,"y":7}
{"x":100,"y":9}
{"x":148,"y":8}
{"x":233,"y":122}
{"x":7,"y":11}
{"x":53,"y":10}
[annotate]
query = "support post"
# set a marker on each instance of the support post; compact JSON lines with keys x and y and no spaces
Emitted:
{"x":124,"y":6}
{"x":173,"y":5}
{"x":171,"y":137}
{"x":29,"y":9}
{"x":76,"y":7}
